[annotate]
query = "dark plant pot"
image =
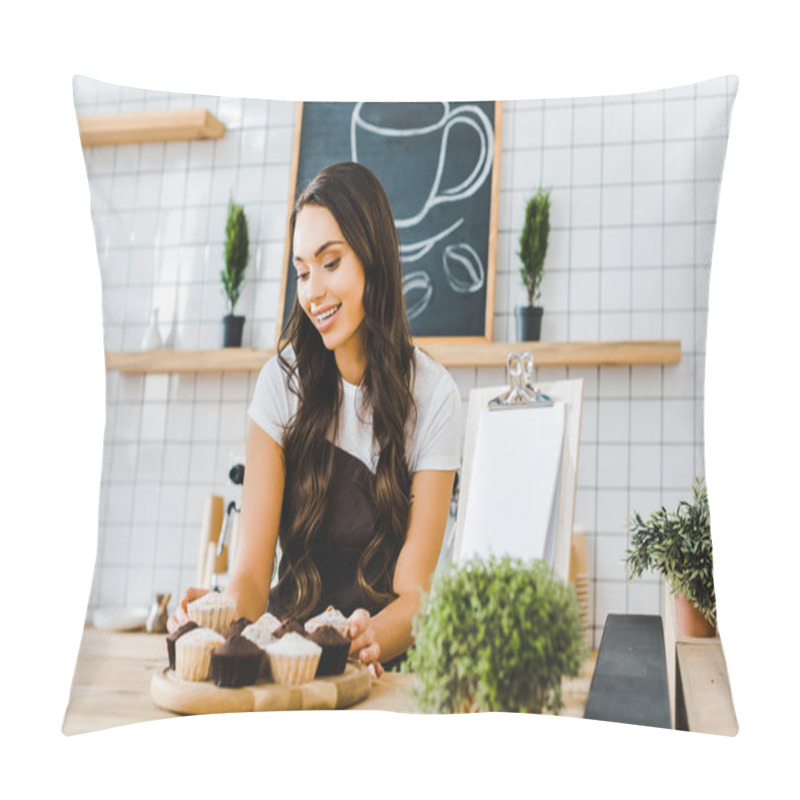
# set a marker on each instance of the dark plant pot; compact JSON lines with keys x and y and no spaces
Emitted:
{"x":233,"y":330}
{"x":529,"y":323}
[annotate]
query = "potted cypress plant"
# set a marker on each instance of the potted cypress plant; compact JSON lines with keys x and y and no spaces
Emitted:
{"x":495,"y":634}
{"x":237,"y":254}
{"x":678,"y":546}
{"x":532,"y":251}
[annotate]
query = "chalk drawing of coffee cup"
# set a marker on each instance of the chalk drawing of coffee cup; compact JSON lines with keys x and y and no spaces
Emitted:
{"x":417,"y":290}
{"x":463,"y":268}
{"x":414,"y":251}
{"x":407,"y":151}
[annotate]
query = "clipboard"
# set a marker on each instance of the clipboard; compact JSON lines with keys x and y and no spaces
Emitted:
{"x":514,"y":459}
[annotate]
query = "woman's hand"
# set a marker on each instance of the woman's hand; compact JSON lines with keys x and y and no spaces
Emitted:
{"x":181,"y":617}
{"x":363,"y":645}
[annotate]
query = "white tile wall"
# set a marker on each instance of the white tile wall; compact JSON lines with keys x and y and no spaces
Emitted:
{"x":635,"y":181}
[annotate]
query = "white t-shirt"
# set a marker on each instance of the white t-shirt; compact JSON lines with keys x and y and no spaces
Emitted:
{"x":436,"y":440}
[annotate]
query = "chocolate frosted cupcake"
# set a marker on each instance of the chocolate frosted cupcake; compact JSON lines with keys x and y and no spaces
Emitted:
{"x":332,"y":617}
{"x":193,"y":653}
{"x":288,"y":626}
{"x":335,"y":649}
{"x":236,"y":663}
{"x":213,"y":610}
{"x":293,"y":659}
{"x":261,"y":638}
{"x":173,"y":637}
{"x":236,"y":627}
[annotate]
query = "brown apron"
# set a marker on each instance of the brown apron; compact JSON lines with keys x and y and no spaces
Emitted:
{"x":347,"y":528}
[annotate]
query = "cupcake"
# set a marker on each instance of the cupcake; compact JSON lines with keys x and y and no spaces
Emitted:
{"x":261,"y":638}
{"x":331,"y":617}
{"x":258,"y":636}
{"x":237,"y":662}
{"x":236,"y":627}
{"x":268,"y":622}
{"x":293,"y":659}
{"x":193,"y":653}
{"x":173,"y":637}
{"x":213,"y":610}
{"x":288,"y":626}
{"x":335,"y":649}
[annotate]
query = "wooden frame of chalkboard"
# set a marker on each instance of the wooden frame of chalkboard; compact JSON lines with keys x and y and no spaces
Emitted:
{"x":445,"y":207}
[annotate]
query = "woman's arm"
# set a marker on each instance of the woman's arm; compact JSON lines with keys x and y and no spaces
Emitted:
{"x":390,"y":629}
{"x":262,"y":499}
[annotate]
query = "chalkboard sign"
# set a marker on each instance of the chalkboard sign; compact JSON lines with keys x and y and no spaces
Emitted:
{"x":440,"y":166}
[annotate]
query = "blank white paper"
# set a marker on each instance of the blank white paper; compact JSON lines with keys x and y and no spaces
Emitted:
{"x":512,"y":493}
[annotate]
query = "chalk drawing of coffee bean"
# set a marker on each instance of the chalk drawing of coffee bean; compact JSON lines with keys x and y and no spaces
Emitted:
{"x":463,"y":268}
{"x":419,"y":284}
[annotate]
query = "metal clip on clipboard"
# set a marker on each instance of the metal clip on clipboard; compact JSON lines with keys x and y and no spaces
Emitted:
{"x":522,"y":393}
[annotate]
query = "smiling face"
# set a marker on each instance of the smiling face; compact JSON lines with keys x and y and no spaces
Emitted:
{"x":330,"y":287}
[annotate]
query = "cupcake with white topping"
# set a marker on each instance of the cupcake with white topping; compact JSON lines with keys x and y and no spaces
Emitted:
{"x":268,"y":623}
{"x":193,"y":653}
{"x":293,"y":659}
{"x":330,"y":617}
{"x":260,"y":637}
{"x":213,"y":610}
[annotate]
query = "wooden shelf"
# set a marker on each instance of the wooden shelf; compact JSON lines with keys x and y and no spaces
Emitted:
{"x":480,"y":354}
{"x":554,"y":354}
{"x":149,"y":126}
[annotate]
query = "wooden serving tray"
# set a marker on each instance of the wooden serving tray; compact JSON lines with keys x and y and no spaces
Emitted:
{"x":204,"y":697}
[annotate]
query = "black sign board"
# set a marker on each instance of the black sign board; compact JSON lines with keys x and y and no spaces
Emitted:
{"x":439,"y":164}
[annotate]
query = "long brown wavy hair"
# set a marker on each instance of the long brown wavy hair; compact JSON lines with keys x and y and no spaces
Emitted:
{"x":358,"y":202}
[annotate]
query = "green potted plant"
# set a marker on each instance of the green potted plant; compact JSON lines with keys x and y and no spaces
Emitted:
{"x":678,"y":546}
{"x":237,"y":254}
{"x":532,"y":251}
{"x":495,"y":634}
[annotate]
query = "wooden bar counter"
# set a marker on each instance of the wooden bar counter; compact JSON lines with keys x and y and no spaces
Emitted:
{"x":111,"y":685}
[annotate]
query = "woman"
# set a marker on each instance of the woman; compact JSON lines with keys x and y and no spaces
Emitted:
{"x":354,"y":434}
